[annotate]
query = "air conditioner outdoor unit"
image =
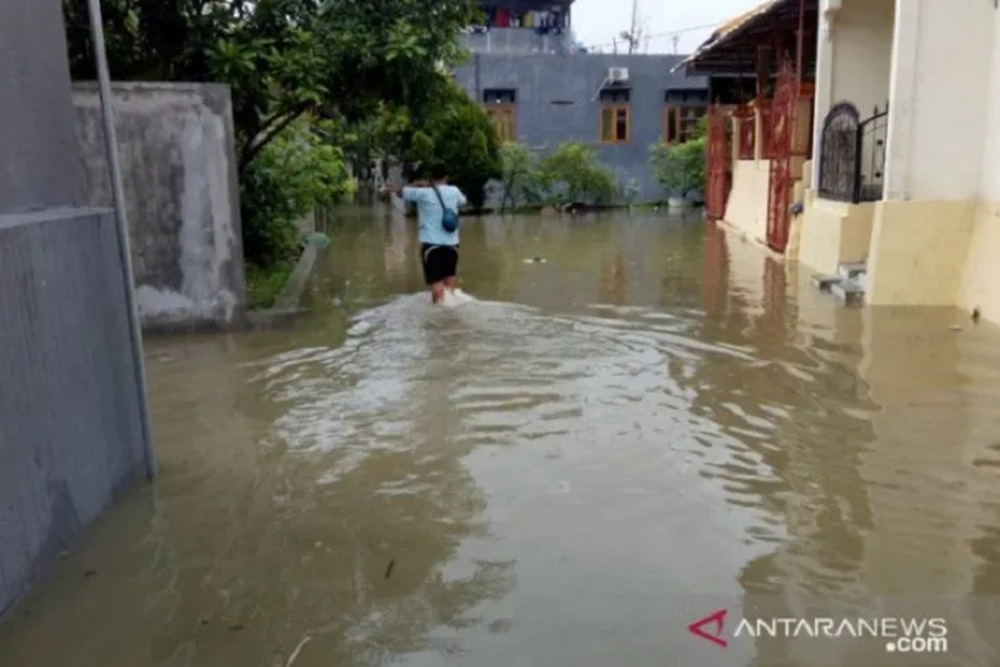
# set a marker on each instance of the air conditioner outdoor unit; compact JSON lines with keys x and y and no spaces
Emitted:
{"x":618,"y":74}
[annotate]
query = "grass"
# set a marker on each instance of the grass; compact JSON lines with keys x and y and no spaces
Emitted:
{"x":264,"y":284}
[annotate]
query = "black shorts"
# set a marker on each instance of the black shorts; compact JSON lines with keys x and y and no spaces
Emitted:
{"x":439,"y":262}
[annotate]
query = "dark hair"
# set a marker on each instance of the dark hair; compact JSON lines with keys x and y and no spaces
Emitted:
{"x":439,"y":171}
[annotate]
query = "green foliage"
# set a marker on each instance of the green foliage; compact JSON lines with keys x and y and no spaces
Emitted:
{"x":522,"y":178}
{"x":574,"y":174}
{"x":264,"y":284}
{"x":679,"y":168}
{"x":293,"y":175}
{"x":457,"y":132}
{"x":364,"y":64}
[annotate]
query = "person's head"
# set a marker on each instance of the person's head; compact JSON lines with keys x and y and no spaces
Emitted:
{"x":439,"y":173}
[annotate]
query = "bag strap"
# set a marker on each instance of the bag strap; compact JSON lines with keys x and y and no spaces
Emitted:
{"x":440,"y":200}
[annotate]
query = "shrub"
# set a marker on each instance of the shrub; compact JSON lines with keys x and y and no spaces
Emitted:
{"x":574,"y":174}
{"x":291,"y":177}
{"x":522,"y":179}
{"x":679,"y":168}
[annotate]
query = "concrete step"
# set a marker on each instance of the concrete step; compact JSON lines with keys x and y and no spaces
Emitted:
{"x":848,"y":292}
{"x":824,"y":281}
{"x":852,"y":269}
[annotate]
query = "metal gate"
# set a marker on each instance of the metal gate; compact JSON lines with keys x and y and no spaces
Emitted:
{"x":717,"y":174}
{"x":780,"y":182}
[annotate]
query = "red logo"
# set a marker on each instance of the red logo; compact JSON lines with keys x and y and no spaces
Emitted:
{"x":718,"y":620}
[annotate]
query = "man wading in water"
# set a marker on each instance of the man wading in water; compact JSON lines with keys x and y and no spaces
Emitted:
{"x":437,"y":209}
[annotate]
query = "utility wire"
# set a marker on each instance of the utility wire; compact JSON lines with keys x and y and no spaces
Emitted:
{"x":663,"y":35}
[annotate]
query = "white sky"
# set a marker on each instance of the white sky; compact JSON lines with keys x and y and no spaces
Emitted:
{"x":598,"y":22}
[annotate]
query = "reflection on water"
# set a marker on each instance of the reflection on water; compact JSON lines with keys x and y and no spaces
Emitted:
{"x":656,"y":422}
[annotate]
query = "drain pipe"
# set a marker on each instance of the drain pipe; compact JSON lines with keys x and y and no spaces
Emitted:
{"x":124,"y":252}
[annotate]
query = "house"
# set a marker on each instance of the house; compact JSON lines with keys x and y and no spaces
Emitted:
{"x":907,"y":175}
{"x":760,"y":66}
{"x":542,"y":91}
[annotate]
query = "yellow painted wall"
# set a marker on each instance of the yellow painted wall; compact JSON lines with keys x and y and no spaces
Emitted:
{"x":918,"y":252}
{"x":981,"y":282}
{"x":834,"y":233}
{"x":746,"y":211}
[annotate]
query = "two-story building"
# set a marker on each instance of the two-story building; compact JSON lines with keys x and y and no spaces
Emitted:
{"x":542,"y":90}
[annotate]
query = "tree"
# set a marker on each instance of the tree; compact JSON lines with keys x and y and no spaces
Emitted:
{"x":575,"y":175}
{"x":457,"y":132}
{"x":363,"y":65}
{"x":679,"y":168}
{"x":293,"y":175}
{"x":340,"y":59}
{"x":521,"y":180}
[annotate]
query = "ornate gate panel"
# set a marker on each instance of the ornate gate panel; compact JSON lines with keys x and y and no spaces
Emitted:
{"x":780,"y":182}
{"x":717,"y":174}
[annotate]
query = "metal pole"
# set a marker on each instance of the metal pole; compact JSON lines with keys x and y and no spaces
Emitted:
{"x":631,"y":33}
{"x":125,"y":257}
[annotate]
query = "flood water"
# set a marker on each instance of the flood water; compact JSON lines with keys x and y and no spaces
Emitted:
{"x":654,"y":423}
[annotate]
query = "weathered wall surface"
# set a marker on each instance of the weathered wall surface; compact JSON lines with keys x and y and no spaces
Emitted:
{"x":178,"y":167}
{"x":558,"y":101}
{"x":70,"y":430}
{"x":36,"y":133}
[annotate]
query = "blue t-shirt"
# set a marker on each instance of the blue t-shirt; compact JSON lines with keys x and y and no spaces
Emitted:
{"x":429,"y":212}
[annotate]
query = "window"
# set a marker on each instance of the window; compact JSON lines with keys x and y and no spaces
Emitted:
{"x":502,"y":116}
{"x":616,"y":115}
{"x":680,"y":122}
{"x":499,"y":96}
{"x":615,"y":123}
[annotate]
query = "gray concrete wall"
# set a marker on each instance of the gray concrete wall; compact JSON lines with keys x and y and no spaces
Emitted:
{"x":543,"y":79}
{"x":179,"y":171}
{"x":70,"y":430}
{"x":516,"y":41}
{"x":36,"y":132}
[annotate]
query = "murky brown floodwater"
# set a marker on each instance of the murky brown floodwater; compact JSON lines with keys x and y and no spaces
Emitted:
{"x":655,"y":423}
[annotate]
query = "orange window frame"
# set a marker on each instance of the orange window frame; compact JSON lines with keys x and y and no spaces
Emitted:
{"x":614,"y":111}
{"x":504,"y":118}
{"x":673,"y":117}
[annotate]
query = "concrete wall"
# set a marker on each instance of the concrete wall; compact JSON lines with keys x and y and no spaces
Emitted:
{"x":981,"y":282}
{"x":862,"y":54}
{"x":935,"y":140}
{"x":178,"y":164}
{"x":746,"y":210}
{"x":835,"y":233}
{"x":71,"y":433}
{"x":541,"y":80}
{"x":37,"y":132}
{"x":70,"y":430}
{"x":922,"y":233}
{"x":516,"y":41}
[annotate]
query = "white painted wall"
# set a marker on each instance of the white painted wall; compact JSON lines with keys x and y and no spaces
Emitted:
{"x":824,"y":84}
{"x":854,"y":59}
{"x":942,"y":53}
{"x":991,"y":135}
{"x":861,"y":42}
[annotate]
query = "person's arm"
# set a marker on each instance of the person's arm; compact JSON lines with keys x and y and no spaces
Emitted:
{"x":462,"y":201}
{"x":409,"y":193}
{"x":412,"y":193}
